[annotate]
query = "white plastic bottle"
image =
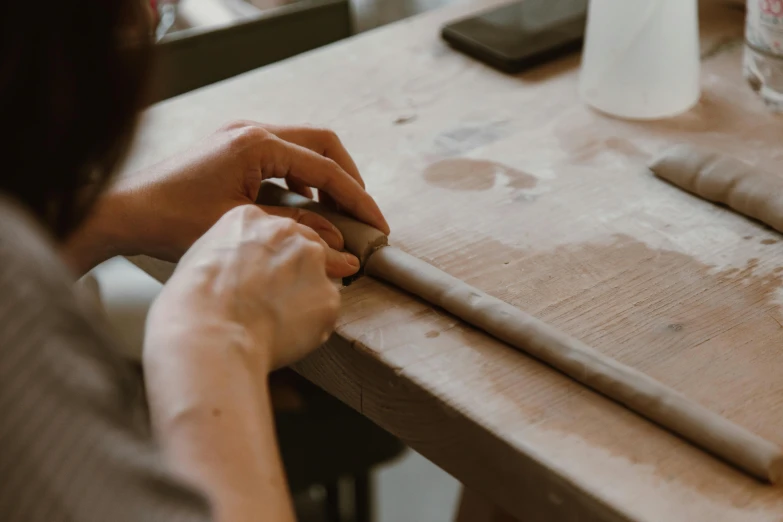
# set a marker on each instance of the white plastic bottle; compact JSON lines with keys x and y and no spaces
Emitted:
{"x":763,"y":61}
{"x":641,"y":58}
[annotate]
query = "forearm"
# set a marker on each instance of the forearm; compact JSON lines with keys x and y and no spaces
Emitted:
{"x":211,"y":411}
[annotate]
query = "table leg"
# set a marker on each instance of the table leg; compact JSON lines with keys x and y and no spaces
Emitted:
{"x":362,"y":493}
{"x":332,"y":502}
{"x":475,"y":508}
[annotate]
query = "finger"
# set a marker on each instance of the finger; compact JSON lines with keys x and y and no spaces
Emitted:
{"x":287,"y":160}
{"x":321,"y":141}
{"x":299,"y":188}
{"x":322,"y":226}
{"x":338,"y":264}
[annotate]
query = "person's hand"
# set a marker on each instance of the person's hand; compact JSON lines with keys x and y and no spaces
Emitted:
{"x":250,"y":296}
{"x":260,"y":277}
{"x":163,"y":210}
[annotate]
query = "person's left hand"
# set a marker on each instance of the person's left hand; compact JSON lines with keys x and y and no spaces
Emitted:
{"x":162,"y":211}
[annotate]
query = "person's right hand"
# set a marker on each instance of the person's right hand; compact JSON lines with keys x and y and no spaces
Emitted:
{"x":257,"y":279}
{"x":250,"y":296}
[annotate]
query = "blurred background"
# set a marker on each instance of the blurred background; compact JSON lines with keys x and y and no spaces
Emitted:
{"x":203,"y":41}
{"x":366,"y":14}
{"x":341,"y":467}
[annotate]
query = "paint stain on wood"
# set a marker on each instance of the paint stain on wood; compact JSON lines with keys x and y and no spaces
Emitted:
{"x":408,"y":118}
{"x":769,"y":241}
{"x":663,"y":312}
{"x":462,"y":140}
{"x":471,"y":174}
{"x":705,"y":332}
{"x":713,"y":334}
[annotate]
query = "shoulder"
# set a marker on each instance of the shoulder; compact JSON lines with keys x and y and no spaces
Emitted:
{"x":44,"y":329}
{"x":73,"y":419}
{"x":28,"y":258}
{"x":36,"y":288}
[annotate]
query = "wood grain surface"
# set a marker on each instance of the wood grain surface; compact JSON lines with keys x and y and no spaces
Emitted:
{"x":513,"y":185}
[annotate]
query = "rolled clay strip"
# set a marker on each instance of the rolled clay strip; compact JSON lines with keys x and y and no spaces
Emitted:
{"x":723,"y":179}
{"x":360,"y":239}
{"x":636,"y":390}
{"x":632,"y":388}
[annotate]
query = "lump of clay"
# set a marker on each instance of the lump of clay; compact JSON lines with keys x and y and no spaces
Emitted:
{"x":710,"y":175}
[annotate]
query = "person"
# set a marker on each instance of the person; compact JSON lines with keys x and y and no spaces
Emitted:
{"x":82,"y":436}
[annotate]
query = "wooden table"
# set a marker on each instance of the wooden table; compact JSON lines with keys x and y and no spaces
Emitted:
{"x":513,"y":185}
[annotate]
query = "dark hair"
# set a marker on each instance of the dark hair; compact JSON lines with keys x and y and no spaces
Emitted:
{"x":72,"y":81}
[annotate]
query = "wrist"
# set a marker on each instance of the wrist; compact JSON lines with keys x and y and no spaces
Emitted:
{"x":210,"y":410}
{"x":192,"y":326}
{"x":98,"y":238}
{"x":141,"y":220}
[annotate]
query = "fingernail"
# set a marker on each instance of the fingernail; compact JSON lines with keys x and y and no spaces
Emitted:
{"x":381,"y":219}
{"x":351,"y":260}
